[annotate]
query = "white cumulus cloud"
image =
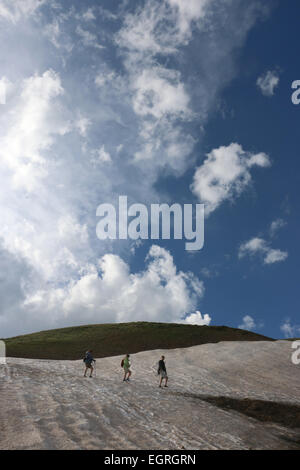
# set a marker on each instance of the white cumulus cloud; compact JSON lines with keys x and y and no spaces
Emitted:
{"x":225,"y":174}
{"x":276,"y":225}
{"x":198,"y":319}
{"x":250,"y":324}
{"x":289,"y":330}
{"x":30,"y":128}
{"x":159,"y":93}
{"x":260,"y":246}
{"x":108,"y":292}
{"x":268,"y":82}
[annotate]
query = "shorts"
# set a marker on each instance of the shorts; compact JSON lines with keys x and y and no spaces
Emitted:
{"x":126,"y":369}
{"x":88,"y":365}
{"x":163,"y":374}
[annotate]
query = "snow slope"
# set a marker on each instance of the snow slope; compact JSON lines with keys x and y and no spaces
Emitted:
{"x":49,"y":405}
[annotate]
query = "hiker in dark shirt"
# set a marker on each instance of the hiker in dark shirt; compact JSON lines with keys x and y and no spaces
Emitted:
{"x":162,"y":371}
{"x":88,"y":360}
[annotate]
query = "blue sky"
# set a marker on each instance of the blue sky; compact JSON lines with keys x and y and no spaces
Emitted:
{"x":164,"y":101}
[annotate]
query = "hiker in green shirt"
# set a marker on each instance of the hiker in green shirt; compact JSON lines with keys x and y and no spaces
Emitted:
{"x":126,"y":366}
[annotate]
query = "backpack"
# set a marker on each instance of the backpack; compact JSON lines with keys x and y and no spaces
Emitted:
{"x":85,"y":357}
{"x":122,"y":363}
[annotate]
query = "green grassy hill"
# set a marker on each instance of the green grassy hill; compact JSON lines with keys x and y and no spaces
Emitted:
{"x":116,"y":339}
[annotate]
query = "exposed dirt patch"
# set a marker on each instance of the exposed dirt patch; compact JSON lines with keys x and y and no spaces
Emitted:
{"x":285,"y":414}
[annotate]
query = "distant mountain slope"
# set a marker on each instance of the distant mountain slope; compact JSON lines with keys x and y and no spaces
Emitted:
{"x":119,"y":338}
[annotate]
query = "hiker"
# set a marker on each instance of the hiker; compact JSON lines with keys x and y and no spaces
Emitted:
{"x":162,"y":371}
{"x":88,"y":360}
{"x":126,"y":366}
